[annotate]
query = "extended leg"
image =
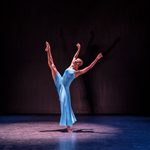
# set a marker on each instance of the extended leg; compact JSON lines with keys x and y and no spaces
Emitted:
{"x":50,"y":61}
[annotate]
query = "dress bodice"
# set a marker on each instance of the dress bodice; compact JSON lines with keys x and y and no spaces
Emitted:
{"x":68,"y":77}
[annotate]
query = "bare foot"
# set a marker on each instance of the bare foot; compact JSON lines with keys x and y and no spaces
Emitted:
{"x":69,"y":129}
{"x":47,"y":46}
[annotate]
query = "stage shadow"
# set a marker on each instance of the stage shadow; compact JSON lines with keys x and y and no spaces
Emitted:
{"x":58,"y":130}
{"x":76,"y":131}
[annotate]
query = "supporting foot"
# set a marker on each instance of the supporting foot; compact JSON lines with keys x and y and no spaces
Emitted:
{"x":69,"y":129}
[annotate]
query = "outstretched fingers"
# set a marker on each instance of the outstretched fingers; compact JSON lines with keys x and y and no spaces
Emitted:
{"x":99,"y":56}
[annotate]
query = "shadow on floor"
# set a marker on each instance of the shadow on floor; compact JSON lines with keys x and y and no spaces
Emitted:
{"x":75,"y":131}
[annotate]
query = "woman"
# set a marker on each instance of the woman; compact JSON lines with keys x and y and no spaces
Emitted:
{"x":63,"y":83}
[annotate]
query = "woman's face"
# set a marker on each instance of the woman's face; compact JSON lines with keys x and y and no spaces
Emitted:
{"x":78,"y":62}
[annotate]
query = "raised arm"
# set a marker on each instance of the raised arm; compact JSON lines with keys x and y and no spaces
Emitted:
{"x":86,"y":69}
{"x":77,"y":53}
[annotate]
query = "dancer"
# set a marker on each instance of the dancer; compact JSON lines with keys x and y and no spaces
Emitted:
{"x":62,"y":84}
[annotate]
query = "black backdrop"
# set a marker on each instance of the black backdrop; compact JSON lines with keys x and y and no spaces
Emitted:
{"x":116,"y":85}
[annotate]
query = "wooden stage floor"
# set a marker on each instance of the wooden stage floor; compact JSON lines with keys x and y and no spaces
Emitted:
{"x":32,"y":132}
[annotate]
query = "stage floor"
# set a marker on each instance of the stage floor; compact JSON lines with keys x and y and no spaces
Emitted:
{"x":90,"y":133}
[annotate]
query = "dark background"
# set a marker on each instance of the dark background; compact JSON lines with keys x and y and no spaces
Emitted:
{"x":116,"y":85}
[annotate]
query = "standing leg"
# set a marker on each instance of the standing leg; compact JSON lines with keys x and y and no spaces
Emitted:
{"x":69,"y":129}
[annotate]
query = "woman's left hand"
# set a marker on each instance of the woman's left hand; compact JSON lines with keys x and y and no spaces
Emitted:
{"x":99,"y":56}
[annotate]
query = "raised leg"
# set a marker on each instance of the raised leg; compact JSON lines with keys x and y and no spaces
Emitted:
{"x":51,"y":64}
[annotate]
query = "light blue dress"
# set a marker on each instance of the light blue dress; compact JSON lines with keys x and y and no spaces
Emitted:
{"x":62,"y":84}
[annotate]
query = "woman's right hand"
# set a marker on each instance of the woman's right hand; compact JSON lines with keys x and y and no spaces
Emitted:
{"x":78,"y":46}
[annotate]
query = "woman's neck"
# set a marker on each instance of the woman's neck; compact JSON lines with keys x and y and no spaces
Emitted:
{"x":74,"y":68}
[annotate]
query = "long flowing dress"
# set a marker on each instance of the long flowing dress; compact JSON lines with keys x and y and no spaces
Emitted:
{"x":62,"y":84}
